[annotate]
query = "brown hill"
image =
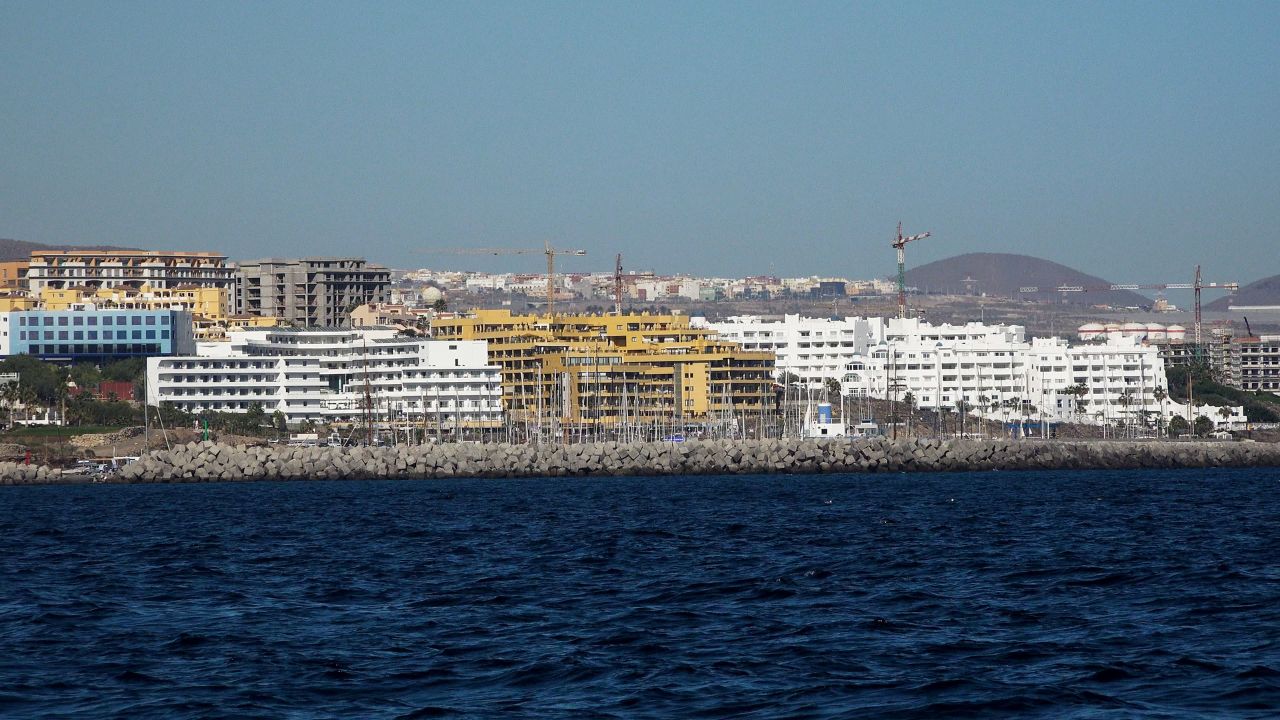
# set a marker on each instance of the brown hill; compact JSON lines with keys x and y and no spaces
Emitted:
{"x":1261,"y":292}
{"x":21,"y":249}
{"x":1002,"y":274}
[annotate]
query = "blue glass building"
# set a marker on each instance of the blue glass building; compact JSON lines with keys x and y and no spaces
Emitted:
{"x":92,"y":334}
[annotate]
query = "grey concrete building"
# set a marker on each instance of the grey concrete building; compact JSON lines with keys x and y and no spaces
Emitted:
{"x":310,"y":292}
{"x":1257,"y":363}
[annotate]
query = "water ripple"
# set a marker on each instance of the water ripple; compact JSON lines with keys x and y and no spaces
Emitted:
{"x":1018,"y":595}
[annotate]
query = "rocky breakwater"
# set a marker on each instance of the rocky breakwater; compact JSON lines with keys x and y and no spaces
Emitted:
{"x":204,"y":461}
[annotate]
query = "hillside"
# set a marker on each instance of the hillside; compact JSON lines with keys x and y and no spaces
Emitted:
{"x":1001,"y":274}
{"x":21,"y":249}
{"x":1262,"y":292}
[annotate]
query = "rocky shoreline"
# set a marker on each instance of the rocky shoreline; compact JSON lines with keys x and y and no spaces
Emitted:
{"x":213,"y":462}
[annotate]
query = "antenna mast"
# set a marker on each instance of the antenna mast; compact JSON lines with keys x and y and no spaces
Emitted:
{"x":617,"y":286}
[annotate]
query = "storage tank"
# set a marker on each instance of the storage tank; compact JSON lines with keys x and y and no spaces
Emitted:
{"x":1134,"y":329}
{"x":1090,"y":331}
{"x":1176,"y":333}
{"x":1156,"y":331}
{"x":431,"y":294}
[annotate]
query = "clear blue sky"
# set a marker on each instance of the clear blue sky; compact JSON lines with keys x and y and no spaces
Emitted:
{"x":1131,"y":140}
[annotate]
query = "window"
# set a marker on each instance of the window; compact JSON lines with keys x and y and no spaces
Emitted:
{"x":62,"y":321}
{"x":151,"y":320}
{"x":78,"y":320}
{"x":137,"y":319}
{"x":62,"y":334}
{"x":151,"y":334}
{"x":93,"y":320}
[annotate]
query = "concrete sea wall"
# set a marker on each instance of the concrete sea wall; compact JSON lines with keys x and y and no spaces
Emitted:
{"x":205,"y":461}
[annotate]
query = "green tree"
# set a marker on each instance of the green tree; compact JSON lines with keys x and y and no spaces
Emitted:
{"x":85,"y":375}
{"x":42,"y":378}
{"x":278,"y":421}
{"x":1203,"y":426}
{"x":128,"y":370}
{"x":1178,"y":426}
{"x":255,"y":415}
{"x":832,"y":386}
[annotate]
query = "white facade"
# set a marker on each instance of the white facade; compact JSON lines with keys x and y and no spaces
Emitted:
{"x":323,"y":375}
{"x":813,"y":349}
{"x":816,"y":349}
{"x":1000,"y":376}
{"x":939,"y":374}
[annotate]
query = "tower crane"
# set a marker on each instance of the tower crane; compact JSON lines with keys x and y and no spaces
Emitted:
{"x":1197,"y":286}
{"x":899,"y":243}
{"x":550,"y":252}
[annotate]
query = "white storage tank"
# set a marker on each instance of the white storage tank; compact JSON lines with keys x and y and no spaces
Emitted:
{"x":1156,"y":331}
{"x":1134,"y":329}
{"x":1176,"y":333}
{"x":1090,"y":331}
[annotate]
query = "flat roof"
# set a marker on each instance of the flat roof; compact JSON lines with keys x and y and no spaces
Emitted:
{"x":130,"y":253}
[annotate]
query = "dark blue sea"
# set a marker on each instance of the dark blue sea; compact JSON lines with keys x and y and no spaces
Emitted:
{"x":1060,"y":595}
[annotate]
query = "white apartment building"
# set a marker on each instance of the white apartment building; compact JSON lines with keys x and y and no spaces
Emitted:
{"x":1000,"y":376}
{"x":324,"y":375}
{"x":813,"y":349}
{"x":903,"y":330}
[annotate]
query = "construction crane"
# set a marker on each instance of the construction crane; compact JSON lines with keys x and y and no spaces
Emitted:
{"x":899,"y":244}
{"x":547,"y":250}
{"x":617,"y":286}
{"x":1198,"y":285}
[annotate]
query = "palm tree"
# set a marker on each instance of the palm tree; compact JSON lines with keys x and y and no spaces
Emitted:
{"x":9,"y":393}
{"x":1225,"y":412}
{"x":962,"y":409}
{"x":910,"y":401}
{"x":1160,"y":395}
{"x":28,"y":397}
{"x":1125,"y":399}
{"x":1078,"y":391}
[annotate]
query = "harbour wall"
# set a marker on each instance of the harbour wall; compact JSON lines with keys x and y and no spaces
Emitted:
{"x":213,"y":462}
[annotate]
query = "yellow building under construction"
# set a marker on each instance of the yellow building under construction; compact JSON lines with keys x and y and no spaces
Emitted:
{"x":604,"y":371}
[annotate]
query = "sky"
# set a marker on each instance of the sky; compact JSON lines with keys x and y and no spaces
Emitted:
{"x":1130,"y":140}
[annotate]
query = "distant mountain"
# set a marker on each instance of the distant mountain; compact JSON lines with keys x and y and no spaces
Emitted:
{"x":1262,"y":292}
{"x":1001,"y":274}
{"x":21,"y":249}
